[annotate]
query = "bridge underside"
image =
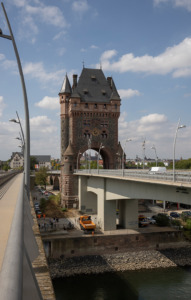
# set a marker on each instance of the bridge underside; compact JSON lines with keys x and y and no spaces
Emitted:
{"x":104,"y":195}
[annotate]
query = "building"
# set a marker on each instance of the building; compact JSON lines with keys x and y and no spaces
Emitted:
{"x":17,"y":160}
{"x":89,"y":112}
{"x":43,"y":161}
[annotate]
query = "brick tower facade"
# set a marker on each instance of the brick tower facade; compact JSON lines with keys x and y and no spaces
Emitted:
{"x":89,"y":118}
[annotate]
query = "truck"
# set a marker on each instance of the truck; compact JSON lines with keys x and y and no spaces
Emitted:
{"x":87,"y":224}
{"x":157,"y":170}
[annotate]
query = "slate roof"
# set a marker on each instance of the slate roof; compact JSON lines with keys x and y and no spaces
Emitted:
{"x":92,"y":86}
{"x":66,"y":87}
{"x":42,"y":158}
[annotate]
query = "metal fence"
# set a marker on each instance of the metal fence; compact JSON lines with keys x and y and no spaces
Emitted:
{"x":183,"y":176}
{"x":17,"y":278}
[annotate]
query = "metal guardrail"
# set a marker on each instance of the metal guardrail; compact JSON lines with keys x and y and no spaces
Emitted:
{"x":184,"y":176}
{"x":17,"y":278}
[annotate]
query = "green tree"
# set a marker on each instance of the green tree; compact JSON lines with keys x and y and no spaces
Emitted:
{"x":41,"y":176}
{"x":162,"y":220}
{"x":33,"y":162}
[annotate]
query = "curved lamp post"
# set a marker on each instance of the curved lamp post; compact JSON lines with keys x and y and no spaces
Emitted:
{"x":78,"y":158}
{"x":143,"y":146}
{"x":27,"y":128}
{"x":154,"y":148}
{"x":101,"y":147}
{"x":174,"y":145}
{"x":122,"y":160}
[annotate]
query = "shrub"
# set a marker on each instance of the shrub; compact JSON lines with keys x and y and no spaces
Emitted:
{"x":176,"y":223}
{"x":162,"y":220}
{"x":188,"y":224}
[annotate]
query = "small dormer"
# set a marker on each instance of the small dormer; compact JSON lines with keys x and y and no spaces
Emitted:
{"x":85,"y":91}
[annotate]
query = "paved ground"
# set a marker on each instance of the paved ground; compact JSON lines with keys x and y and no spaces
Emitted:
{"x":7,"y":208}
{"x":62,"y":227}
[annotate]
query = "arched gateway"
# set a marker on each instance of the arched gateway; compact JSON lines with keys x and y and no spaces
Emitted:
{"x":89,"y":118}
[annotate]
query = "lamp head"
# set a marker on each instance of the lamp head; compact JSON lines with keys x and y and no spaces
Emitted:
{"x":13,"y":120}
{"x":181,"y":126}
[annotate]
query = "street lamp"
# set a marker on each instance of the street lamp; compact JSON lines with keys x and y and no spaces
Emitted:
{"x":174,"y":145}
{"x":154,"y":148}
{"x":79,"y":153}
{"x":89,"y":152}
{"x":122,"y":160}
{"x":118,"y":160}
{"x":27,"y":128}
{"x":143,"y":146}
{"x":101,"y":147}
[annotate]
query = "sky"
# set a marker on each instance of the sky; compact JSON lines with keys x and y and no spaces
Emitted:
{"x":145,"y":45}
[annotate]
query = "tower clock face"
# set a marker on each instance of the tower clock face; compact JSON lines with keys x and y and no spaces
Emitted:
{"x":96,"y":131}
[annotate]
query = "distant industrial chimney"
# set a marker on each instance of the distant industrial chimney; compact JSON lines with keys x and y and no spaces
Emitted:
{"x":109,"y":80}
{"x":74,"y":81}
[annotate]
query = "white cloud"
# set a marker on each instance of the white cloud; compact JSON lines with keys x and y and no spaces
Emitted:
{"x":48,"y":14}
{"x":36,"y":70}
{"x":94,"y":47}
{"x":44,"y":136}
{"x":51,"y":103}
{"x":176,"y":3}
{"x":33,"y":12}
{"x":126,"y":94}
{"x":80,"y":6}
{"x":42,"y":124}
{"x":153,"y":119}
{"x":157,"y":130}
{"x":175,"y":60}
{"x":59,"y":35}
{"x":108,"y":54}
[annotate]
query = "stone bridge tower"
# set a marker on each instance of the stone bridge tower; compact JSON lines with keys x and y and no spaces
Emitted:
{"x":89,"y":118}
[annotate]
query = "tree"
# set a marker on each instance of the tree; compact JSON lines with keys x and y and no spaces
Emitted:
{"x":33,"y":162}
{"x":162,"y":220}
{"x":41,"y":176}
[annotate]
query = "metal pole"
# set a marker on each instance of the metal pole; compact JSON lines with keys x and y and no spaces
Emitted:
{"x":174,"y":145}
{"x":27,"y":127}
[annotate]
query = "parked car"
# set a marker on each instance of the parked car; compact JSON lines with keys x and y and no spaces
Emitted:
{"x":174,"y":215}
{"x":186,"y":214}
{"x":143,"y":222}
{"x":151,"y":220}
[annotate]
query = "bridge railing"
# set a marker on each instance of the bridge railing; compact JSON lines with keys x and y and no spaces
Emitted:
{"x":17,"y":278}
{"x":183,"y":176}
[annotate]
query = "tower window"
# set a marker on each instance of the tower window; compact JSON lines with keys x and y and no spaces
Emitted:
{"x":85,"y":91}
{"x":104,"y":106}
{"x":95,"y":105}
{"x":93,"y":77}
{"x":115,"y":106}
{"x":86,"y":105}
{"x":103,"y":92}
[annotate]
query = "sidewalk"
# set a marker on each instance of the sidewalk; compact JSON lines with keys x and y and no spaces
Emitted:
{"x":7,"y":209}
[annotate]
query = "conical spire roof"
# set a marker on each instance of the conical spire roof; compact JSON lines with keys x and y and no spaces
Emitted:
{"x":66,"y":87}
{"x":69,"y":150}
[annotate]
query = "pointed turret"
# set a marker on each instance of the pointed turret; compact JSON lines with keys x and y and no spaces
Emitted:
{"x":66,"y":87}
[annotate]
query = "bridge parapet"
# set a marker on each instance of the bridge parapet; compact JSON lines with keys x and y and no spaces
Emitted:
{"x":183,"y":176}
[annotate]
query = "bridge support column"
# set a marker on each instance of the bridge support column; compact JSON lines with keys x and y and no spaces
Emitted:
{"x":87,"y":200}
{"x":128,"y":213}
{"x":109,"y":215}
